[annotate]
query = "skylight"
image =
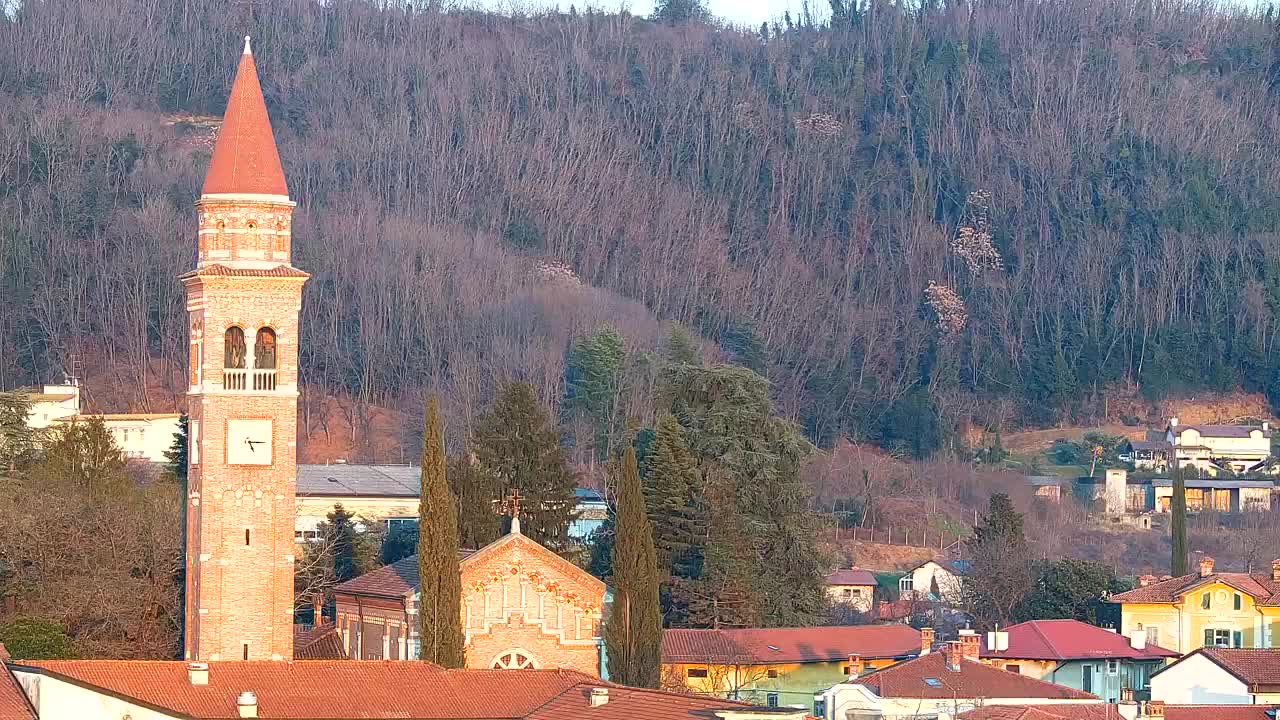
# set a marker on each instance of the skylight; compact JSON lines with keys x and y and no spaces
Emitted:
{"x":775,"y":648}
{"x":933,"y":682}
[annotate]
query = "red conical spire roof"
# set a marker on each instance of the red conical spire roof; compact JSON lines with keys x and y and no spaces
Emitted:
{"x":245,"y":158}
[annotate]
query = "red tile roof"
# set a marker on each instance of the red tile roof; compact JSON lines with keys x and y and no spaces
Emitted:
{"x":1251,"y":667}
{"x":398,"y":579}
{"x":1261,"y":588}
{"x":374,"y":690}
{"x":782,"y":645}
{"x":1070,"y":640}
{"x":972,"y":680}
{"x":851,"y":576}
{"x":318,"y":643}
{"x":1094,"y":711}
{"x":244,"y":157}
{"x":216,"y":270}
{"x":13,"y":703}
{"x":1220,"y":712}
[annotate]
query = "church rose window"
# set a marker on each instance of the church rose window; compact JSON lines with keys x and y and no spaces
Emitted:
{"x":513,"y":660}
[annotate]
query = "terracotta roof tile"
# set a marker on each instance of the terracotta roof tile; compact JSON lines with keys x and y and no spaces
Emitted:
{"x":1070,"y":640}
{"x":398,"y":579}
{"x":1094,"y":711}
{"x":1260,"y":587}
{"x":626,"y":703}
{"x":308,"y":689}
{"x":777,"y":645}
{"x":851,"y":576}
{"x":13,"y":703}
{"x":245,"y":159}
{"x":1253,"y":667}
{"x":216,"y":270}
{"x":972,"y":680}
{"x":318,"y":643}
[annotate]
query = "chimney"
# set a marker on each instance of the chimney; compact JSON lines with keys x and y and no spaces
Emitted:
{"x":599,"y":696}
{"x":1206,"y":566}
{"x":953,"y":653}
{"x":1146,"y":580}
{"x":198,"y":673}
{"x":247,"y":704}
{"x":1275,"y":570}
{"x":1138,"y":639}
{"x":926,"y":640}
{"x":855,"y":667}
{"x":1002,"y":640}
{"x":970,"y":645}
{"x":317,"y":608}
{"x":1155,"y":708}
{"x":1173,"y":422}
{"x":1266,"y":426}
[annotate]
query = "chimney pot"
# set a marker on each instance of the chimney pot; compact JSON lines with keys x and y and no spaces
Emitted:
{"x":247,"y":704}
{"x":855,"y":666}
{"x":198,"y":673}
{"x":1206,"y":566}
{"x":927,"y":636}
{"x":599,"y":696}
{"x":970,"y":644}
{"x":1146,"y":580}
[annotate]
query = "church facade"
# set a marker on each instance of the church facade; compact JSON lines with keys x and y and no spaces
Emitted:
{"x":523,"y":607}
{"x":243,"y":302}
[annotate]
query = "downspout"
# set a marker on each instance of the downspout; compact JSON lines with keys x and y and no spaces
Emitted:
{"x":359,"y":629}
{"x":408,"y":631}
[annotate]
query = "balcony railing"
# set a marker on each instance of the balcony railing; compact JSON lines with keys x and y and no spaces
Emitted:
{"x":248,"y":380}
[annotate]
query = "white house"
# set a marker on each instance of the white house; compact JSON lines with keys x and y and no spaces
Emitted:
{"x":935,"y":580}
{"x":51,"y":403}
{"x":1213,"y":448}
{"x":140,"y":436}
{"x":1220,"y":676}
{"x":940,"y":685}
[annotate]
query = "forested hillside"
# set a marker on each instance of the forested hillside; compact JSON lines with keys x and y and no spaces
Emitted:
{"x":908,"y":218}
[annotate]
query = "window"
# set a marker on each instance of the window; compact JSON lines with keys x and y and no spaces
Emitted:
{"x":124,"y":436}
{"x":771,"y":673}
{"x":933,"y":682}
{"x":397,"y":523}
{"x":1236,"y":601}
{"x":513,"y":660}
{"x":246,"y":651}
{"x":696,"y":672}
{"x":819,"y":707}
{"x":246,"y":536}
{"x":847,"y":593}
{"x":1113,"y":667}
{"x":906,"y":584}
{"x":1216,"y":637}
{"x":233,"y":349}
{"x":306,"y":535}
{"x":1015,"y":669}
{"x":1206,"y":601}
{"x":771,"y":700}
{"x":264,"y":349}
{"x":1153,"y":636}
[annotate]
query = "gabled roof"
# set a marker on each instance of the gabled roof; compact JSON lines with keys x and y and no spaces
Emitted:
{"x":399,"y":579}
{"x":955,"y":567}
{"x":13,"y":703}
{"x":216,"y":270}
{"x":318,"y":643}
{"x":1227,"y":431}
{"x":245,"y":160}
{"x":1256,"y":668}
{"x":1049,"y":711}
{"x":788,"y":645}
{"x":1070,"y":640}
{"x":851,"y":576}
{"x":1220,"y":712}
{"x":372,"y":690}
{"x":1261,"y":588}
{"x":359,"y":480}
{"x":927,"y":677}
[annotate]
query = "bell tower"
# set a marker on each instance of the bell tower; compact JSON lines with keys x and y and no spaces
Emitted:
{"x":243,"y":300}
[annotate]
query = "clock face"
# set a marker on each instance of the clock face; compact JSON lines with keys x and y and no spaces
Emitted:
{"x":249,"y":441}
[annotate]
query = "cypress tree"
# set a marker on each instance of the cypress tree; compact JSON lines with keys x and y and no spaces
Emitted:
{"x":1178,"y":524}
{"x":477,"y":493}
{"x":633,"y":635}
{"x":440,"y":599}
{"x":519,"y":445}
{"x":344,"y":544}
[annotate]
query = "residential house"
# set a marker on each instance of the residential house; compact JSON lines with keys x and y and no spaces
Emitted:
{"x":338,"y":690}
{"x":388,"y":495}
{"x":936,"y":580}
{"x":523,"y":606}
{"x":1215,"y":494}
{"x":1220,"y":676}
{"x":1214,"y":448}
{"x":782,"y":666}
{"x":1051,"y":712}
{"x":940,"y":685}
{"x":852,"y":586}
{"x":1077,"y":655}
{"x":1046,"y":487}
{"x":140,"y":436}
{"x":50,"y":403}
{"x":1204,"y":609}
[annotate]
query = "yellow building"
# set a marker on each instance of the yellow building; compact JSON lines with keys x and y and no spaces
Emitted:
{"x":1204,"y":609}
{"x":782,"y":666}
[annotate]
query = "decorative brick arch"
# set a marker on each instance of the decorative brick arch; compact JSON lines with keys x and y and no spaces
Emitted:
{"x":514,"y":659}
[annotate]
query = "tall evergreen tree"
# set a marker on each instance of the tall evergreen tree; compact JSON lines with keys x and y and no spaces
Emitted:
{"x":724,"y":594}
{"x":672,"y":489}
{"x":85,"y":455}
{"x":592,"y":385}
{"x":1178,"y":524}
{"x":176,"y":468}
{"x":633,"y":633}
{"x":17,"y":439}
{"x":175,"y":457}
{"x":478,"y":493}
{"x":681,"y":348}
{"x":1001,"y":577}
{"x":440,"y":599}
{"x":518,"y":443}
{"x":343,"y":541}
